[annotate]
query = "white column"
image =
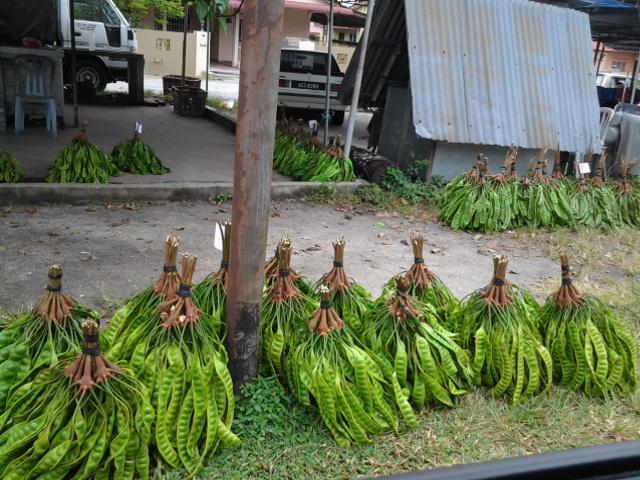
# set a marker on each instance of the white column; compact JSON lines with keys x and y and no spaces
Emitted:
{"x":236,"y":41}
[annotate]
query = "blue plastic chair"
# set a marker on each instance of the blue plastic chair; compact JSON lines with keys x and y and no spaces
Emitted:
{"x":35,"y":75}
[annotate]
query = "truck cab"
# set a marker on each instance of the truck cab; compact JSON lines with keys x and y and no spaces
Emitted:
{"x":99,"y":25}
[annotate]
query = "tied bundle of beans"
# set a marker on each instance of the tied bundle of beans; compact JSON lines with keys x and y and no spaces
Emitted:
{"x":90,"y":368}
{"x":605,"y":211}
{"x":284,"y":306}
{"x":138,"y":316}
{"x":352,"y":301}
{"x":194,"y":392}
{"x":426,"y":286}
{"x":211,"y":293}
{"x":272,"y":269}
{"x":627,"y":197}
{"x":169,"y":282}
{"x":478,"y":202}
{"x":184,"y":363}
{"x":35,"y":340}
{"x":558,"y":194}
{"x":181,"y":310}
{"x":325,"y":319}
{"x":590,"y":347}
{"x":53,"y":429}
{"x":82,"y":162}
{"x":427,"y":364}
{"x":9,"y":170}
{"x":135,"y":156}
{"x":533,"y":206}
{"x":497,"y":324}
{"x":352,"y":388}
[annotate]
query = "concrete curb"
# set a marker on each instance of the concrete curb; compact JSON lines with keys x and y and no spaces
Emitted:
{"x":39,"y":193}
{"x":221,"y":119}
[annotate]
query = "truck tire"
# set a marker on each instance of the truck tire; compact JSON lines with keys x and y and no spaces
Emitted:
{"x":93,"y":72}
{"x":338,"y":117}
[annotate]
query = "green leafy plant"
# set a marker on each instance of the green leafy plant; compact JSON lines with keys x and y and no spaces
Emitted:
{"x":9,"y":170}
{"x":324,"y":193}
{"x":211,"y":10}
{"x":222,"y":105}
{"x":372,"y":194}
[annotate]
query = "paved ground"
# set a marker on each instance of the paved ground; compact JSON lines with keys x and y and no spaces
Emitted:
{"x":110,"y":252}
{"x":223,"y":83}
{"x":195,"y":149}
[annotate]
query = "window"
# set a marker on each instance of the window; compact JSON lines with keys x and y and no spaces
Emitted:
{"x":295,"y":61}
{"x":352,"y":37}
{"x":341,"y":36}
{"x":618,"y":66}
{"x":95,"y":11}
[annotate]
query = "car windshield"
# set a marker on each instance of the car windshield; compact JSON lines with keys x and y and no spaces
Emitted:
{"x":294,"y":61}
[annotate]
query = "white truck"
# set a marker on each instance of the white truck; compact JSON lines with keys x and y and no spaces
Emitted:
{"x":99,"y":25}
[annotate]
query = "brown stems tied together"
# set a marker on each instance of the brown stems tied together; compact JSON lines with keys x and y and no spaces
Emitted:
{"x":220,"y":277}
{"x":337,"y":279}
{"x":401,"y":305}
{"x":181,"y":310}
{"x":598,"y":178}
{"x":169,"y":282}
{"x":483,"y":168}
{"x":418,"y":275}
{"x":325,"y":319}
{"x":557,"y":165}
{"x":625,"y":169}
{"x":497,"y":294}
{"x":567,"y":295}
{"x":508,"y":165}
{"x":271,"y":268}
{"x":583,"y":187}
{"x":90,"y":368}
{"x":284,"y":287}
{"x":54,"y":306}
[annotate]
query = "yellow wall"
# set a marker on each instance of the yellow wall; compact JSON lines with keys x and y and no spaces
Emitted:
{"x":163,"y":52}
{"x":341,"y":52}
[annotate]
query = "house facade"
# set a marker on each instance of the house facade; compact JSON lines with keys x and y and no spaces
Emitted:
{"x":161,"y":44}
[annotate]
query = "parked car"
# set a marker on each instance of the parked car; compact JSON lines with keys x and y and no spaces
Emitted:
{"x":302,"y":83}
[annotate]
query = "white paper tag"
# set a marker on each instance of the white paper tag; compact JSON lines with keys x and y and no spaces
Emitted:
{"x":584,"y":168}
{"x":313,"y":124}
{"x":139,"y":128}
{"x":218,"y":238}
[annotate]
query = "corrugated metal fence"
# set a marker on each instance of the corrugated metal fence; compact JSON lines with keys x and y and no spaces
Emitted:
{"x":502,"y":72}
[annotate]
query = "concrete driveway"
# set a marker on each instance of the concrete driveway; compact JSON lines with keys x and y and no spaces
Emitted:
{"x":195,"y":149}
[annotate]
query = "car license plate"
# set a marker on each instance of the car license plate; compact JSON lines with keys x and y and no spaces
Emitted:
{"x":308,"y":85}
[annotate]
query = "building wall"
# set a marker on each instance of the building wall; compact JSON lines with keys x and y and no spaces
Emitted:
{"x":624,"y":60}
{"x":342,"y":52}
{"x":222,"y":48}
{"x":163,"y":52}
{"x":296,"y":23}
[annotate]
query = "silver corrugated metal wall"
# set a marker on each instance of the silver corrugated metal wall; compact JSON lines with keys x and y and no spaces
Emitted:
{"x":502,"y":72}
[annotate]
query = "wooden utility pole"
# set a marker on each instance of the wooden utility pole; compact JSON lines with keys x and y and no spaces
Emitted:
{"x":255,"y":134}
